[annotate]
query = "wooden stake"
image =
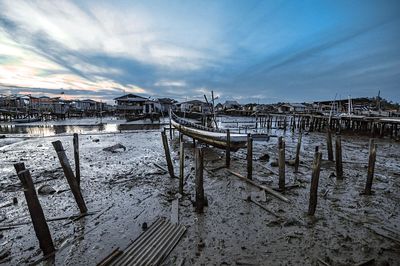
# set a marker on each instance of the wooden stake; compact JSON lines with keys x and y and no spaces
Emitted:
{"x":167,"y":155}
{"x":199,"y":180}
{"x":170,"y":124}
{"x":69,"y":174}
{"x":314,"y":183}
{"x":76,"y":157}
{"x":329,"y":145}
{"x":228,"y":149}
{"x":281,"y":163}
{"x":338,"y":152}
{"x":181,"y":166}
{"x":35,"y":209}
{"x":249,"y":157}
{"x":297,"y":159}
{"x":371,"y":167}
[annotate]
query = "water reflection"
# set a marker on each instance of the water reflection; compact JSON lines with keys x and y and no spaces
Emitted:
{"x":50,"y":130}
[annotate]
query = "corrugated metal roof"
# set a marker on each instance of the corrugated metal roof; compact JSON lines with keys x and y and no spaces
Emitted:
{"x":153,"y":246}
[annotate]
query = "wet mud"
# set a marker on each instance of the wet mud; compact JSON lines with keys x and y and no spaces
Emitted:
{"x":123,"y":190}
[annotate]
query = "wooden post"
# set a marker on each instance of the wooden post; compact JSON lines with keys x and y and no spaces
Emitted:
{"x":69,"y":174}
{"x":170,"y":124}
{"x":167,"y":155}
{"x":339,"y":166}
{"x":371,"y":167}
{"x":35,"y":209}
{"x":329,"y":145}
{"x":314,"y":183}
{"x":76,"y":157}
{"x":297,"y":159}
{"x":281,"y":163}
{"x":249,"y":157}
{"x":181,"y":166}
{"x":199,"y":180}
{"x":228,"y":149}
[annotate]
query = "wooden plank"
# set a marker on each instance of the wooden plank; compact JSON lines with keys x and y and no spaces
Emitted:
{"x":263,"y":187}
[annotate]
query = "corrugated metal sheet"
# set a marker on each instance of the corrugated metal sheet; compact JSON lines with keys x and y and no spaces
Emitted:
{"x":153,"y":246}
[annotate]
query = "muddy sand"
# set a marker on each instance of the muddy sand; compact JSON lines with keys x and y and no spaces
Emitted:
{"x":124,"y":189}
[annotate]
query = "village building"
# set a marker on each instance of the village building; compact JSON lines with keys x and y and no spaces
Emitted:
{"x":250,"y":107}
{"x":45,"y":104}
{"x":219,"y":107}
{"x":291,"y":108}
{"x":166,"y":104}
{"x":266,"y":108}
{"x":231,"y":105}
{"x":131,"y":104}
{"x":14,"y":102}
{"x":196,"y":106}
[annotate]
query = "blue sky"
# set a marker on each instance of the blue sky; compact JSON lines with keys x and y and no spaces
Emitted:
{"x":250,"y":51}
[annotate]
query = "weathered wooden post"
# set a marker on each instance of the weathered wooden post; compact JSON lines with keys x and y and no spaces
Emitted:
{"x":371,"y":167}
{"x":314,"y":183}
{"x":228,"y":149}
{"x":167,"y":155}
{"x":76,"y":157}
{"x":35,"y":209}
{"x":249,"y":157}
{"x":338,"y":153}
{"x":329,"y":145}
{"x":170,"y":123}
{"x":69,"y":174}
{"x":199,"y":180}
{"x":181,"y":165}
{"x":297,"y":159}
{"x":281,"y":163}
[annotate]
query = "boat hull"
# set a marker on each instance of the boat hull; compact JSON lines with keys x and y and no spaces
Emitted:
{"x":216,"y":139}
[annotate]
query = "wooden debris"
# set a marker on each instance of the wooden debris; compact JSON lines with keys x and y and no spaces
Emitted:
{"x":319,"y":260}
{"x":107,"y":260}
{"x":263,"y":187}
{"x":263,"y":207}
{"x":367,"y":262}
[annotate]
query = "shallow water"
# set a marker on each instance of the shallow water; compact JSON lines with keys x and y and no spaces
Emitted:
{"x":82,"y":126}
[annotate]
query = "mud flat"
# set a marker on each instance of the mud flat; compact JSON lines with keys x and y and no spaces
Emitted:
{"x":123,"y":190}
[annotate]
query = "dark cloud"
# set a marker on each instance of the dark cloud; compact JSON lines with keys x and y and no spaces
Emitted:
{"x":337,"y":50}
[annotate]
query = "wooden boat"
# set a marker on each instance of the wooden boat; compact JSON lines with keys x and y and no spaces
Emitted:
{"x":211,"y":136}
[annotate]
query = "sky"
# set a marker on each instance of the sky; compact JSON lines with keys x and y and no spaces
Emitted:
{"x":245,"y":50}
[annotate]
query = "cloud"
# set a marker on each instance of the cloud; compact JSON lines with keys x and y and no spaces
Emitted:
{"x":263,"y":50}
{"x":170,"y":83}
